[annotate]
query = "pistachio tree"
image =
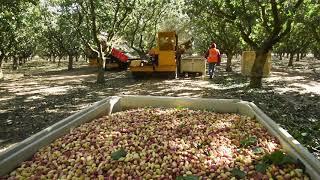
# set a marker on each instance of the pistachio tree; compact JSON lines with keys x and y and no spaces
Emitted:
{"x":312,"y":23}
{"x":140,"y":33}
{"x":224,"y":34}
{"x":261,"y":24}
{"x":297,"y":42}
{"x":107,"y":19}
{"x":16,"y":17}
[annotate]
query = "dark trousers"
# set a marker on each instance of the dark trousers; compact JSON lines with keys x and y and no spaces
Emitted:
{"x":211,"y":68}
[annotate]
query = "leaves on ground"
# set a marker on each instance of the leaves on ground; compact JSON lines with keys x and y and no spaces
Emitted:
{"x":238,"y":173}
{"x":118,"y":154}
{"x":188,"y":177}
{"x":248,"y":141}
{"x":262,"y":167}
{"x":258,"y":150}
{"x":280,"y":158}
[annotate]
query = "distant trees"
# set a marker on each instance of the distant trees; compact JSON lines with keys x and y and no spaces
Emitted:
{"x":60,"y":37}
{"x":312,"y":21}
{"x":99,"y":18}
{"x":143,"y":24}
{"x":208,"y":30}
{"x":304,"y":35}
{"x":261,"y":24}
{"x":18,"y":32}
{"x":296,"y":43}
{"x":58,"y":28}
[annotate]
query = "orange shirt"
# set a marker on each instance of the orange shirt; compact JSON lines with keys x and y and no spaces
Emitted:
{"x":213,"y":55}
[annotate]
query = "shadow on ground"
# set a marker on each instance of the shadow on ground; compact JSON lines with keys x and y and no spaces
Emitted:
{"x":36,"y":101}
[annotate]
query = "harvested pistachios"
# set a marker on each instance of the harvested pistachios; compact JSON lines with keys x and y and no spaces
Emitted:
{"x":158,"y":143}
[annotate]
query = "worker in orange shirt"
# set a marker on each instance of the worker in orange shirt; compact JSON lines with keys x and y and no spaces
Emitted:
{"x":213,"y":56}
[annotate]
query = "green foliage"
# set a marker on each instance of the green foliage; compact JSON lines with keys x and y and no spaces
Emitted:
{"x":60,"y":32}
{"x":118,"y":154}
{"x":209,"y":29}
{"x":310,"y":16}
{"x":140,"y":33}
{"x":62,"y":27}
{"x":149,"y":17}
{"x":258,"y":150}
{"x":298,"y":41}
{"x":188,"y":177}
{"x":279,"y":158}
{"x":238,"y":173}
{"x":249,"y":141}
{"x":180,"y":107}
{"x":18,"y":31}
{"x":262,"y":167}
{"x":260,"y":23}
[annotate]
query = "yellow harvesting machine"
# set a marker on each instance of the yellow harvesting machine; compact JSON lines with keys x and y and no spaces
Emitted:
{"x":163,"y":58}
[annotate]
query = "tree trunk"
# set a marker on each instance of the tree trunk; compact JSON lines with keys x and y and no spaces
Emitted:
{"x":84,"y":56}
{"x":1,"y":73}
{"x":15,"y":63}
{"x":305,"y":55}
{"x":291,"y":60}
{"x":298,"y":57}
{"x":280,"y":56}
{"x":257,"y":69}
{"x":70,"y":63}
{"x":229,"y":58}
{"x":302,"y":55}
{"x":77,"y":58}
{"x":100,"y":76}
{"x":59,"y":61}
{"x":20,"y":61}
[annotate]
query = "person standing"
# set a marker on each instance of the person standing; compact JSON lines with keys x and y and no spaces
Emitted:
{"x":213,"y":58}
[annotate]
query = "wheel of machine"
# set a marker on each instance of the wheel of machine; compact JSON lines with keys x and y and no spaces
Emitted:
{"x":138,"y":75}
{"x":180,"y":75}
{"x":172,"y":75}
{"x":123,"y":66}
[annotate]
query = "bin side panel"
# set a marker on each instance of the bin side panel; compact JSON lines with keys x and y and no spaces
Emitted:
{"x":199,"y":66}
{"x":217,"y":105}
{"x":247,"y":61}
{"x":291,"y":145}
{"x":186,"y":65}
{"x":193,"y":65}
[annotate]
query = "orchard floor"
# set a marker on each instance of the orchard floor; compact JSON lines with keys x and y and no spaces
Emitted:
{"x":40,"y":94}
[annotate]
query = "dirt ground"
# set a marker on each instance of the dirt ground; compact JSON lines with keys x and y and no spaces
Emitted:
{"x":40,"y":94}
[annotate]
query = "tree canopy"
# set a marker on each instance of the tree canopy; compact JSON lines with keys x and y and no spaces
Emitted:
{"x":68,"y":27}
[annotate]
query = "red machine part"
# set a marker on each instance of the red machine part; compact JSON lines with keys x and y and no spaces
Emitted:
{"x":120,"y":55}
